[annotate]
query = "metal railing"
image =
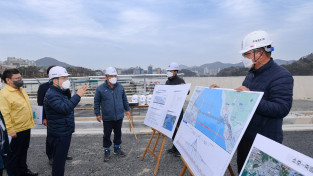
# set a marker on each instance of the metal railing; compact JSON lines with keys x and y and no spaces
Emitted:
{"x":133,"y":84}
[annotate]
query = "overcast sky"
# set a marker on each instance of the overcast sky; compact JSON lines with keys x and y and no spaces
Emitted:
{"x":128,"y":33}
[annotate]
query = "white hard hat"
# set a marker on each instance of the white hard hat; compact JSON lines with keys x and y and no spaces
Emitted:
{"x":57,"y":71}
{"x":110,"y":71}
{"x":255,"y":39}
{"x":173,"y":66}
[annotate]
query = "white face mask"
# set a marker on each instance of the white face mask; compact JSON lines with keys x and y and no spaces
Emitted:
{"x":113,"y":80}
{"x":169,"y":74}
{"x":247,"y":62}
{"x":66,"y":84}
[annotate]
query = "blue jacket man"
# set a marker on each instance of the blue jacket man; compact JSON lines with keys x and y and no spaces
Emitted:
{"x":110,"y":97}
{"x":276,"y":83}
{"x":41,"y":93}
{"x":60,"y":116}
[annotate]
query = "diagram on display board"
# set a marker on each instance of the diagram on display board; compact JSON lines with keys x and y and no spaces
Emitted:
{"x":213,"y":124}
{"x":274,"y":159}
{"x":165,"y":107}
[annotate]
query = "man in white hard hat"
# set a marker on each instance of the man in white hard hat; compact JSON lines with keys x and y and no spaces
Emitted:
{"x":277,"y":84}
{"x":60,"y":116}
{"x":110,"y":103}
{"x":42,"y":90}
{"x":18,"y":116}
{"x":173,"y":79}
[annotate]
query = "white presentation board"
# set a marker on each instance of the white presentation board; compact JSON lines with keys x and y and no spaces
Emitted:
{"x":270,"y":158}
{"x":37,"y":114}
{"x":165,"y":107}
{"x":213,"y":124}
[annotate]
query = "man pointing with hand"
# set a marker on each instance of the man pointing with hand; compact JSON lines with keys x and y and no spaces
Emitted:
{"x":60,"y":116}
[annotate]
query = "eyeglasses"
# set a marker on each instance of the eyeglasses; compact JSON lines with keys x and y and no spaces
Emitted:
{"x":246,"y":54}
{"x":16,"y":79}
{"x":249,"y":53}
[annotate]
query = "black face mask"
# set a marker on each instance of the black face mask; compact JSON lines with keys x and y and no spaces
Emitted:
{"x":18,"y":83}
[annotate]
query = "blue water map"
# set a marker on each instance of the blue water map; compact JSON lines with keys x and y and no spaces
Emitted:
{"x":220,"y":114}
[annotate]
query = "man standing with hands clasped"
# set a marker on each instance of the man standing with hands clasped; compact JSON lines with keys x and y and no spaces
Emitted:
{"x":110,"y":97}
{"x":60,"y":116}
{"x":276,"y":83}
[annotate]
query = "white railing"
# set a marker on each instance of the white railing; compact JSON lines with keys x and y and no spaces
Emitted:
{"x":134,"y":84}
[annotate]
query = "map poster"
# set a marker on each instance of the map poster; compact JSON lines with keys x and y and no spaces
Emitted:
{"x":270,"y":158}
{"x":37,"y":114}
{"x":165,"y":107}
{"x":213,"y":124}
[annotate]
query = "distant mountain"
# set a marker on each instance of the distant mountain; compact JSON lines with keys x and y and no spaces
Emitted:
{"x":48,"y":61}
{"x":210,"y":68}
{"x":303,"y":67}
{"x":183,"y":66}
{"x":215,"y":67}
{"x":284,"y":62}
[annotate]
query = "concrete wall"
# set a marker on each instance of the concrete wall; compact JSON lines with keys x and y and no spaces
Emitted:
{"x":303,"y":85}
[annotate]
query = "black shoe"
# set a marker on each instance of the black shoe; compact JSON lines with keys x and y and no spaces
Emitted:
{"x":172,"y":150}
{"x":30,"y":173}
{"x":50,"y":161}
{"x":69,"y":158}
{"x":106,"y":155}
{"x":118,"y":151}
{"x":177,"y":154}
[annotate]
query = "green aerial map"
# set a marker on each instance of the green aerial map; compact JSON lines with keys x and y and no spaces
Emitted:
{"x":261,"y":164}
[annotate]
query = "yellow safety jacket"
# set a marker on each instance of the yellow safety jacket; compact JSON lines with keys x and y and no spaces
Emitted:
{"x":16,"y":109}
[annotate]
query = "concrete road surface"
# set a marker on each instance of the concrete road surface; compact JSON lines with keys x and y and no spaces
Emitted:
{"x":87,"y":152}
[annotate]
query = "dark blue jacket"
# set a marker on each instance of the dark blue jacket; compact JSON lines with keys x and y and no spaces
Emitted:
{"x":42,"y":90}
{"x":175,"y":81}
{"x":113,"y":102}
{"x":277,"y":84}
{"x":60,"y":111}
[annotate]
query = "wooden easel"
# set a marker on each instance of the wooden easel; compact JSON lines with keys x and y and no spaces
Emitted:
{"x":183,"y":171}
{"x":158,"y":157}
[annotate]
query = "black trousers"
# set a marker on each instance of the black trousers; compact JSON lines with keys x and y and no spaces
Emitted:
{"x":16,"y":160}
{"x":242,"y":153}
{"x":108,"y":126}
{"x":59,"y":146}
{"x":48,"y":147}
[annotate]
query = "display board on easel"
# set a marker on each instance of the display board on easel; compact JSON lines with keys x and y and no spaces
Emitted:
{"x":212,"y":126}
{"x":162,"y":115}
{"x":267,"y":157}
{"x":165,"y":107}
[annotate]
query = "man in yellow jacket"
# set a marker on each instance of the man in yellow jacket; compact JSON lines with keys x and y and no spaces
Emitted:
{"x":17,"y":112}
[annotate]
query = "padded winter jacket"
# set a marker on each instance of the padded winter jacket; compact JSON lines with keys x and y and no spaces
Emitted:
{"x":277,"y":84}
{"x":42,"y":90}
{"x":60,"y":111}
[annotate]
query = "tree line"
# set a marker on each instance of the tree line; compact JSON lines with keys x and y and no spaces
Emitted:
{"x":302,"y":67}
